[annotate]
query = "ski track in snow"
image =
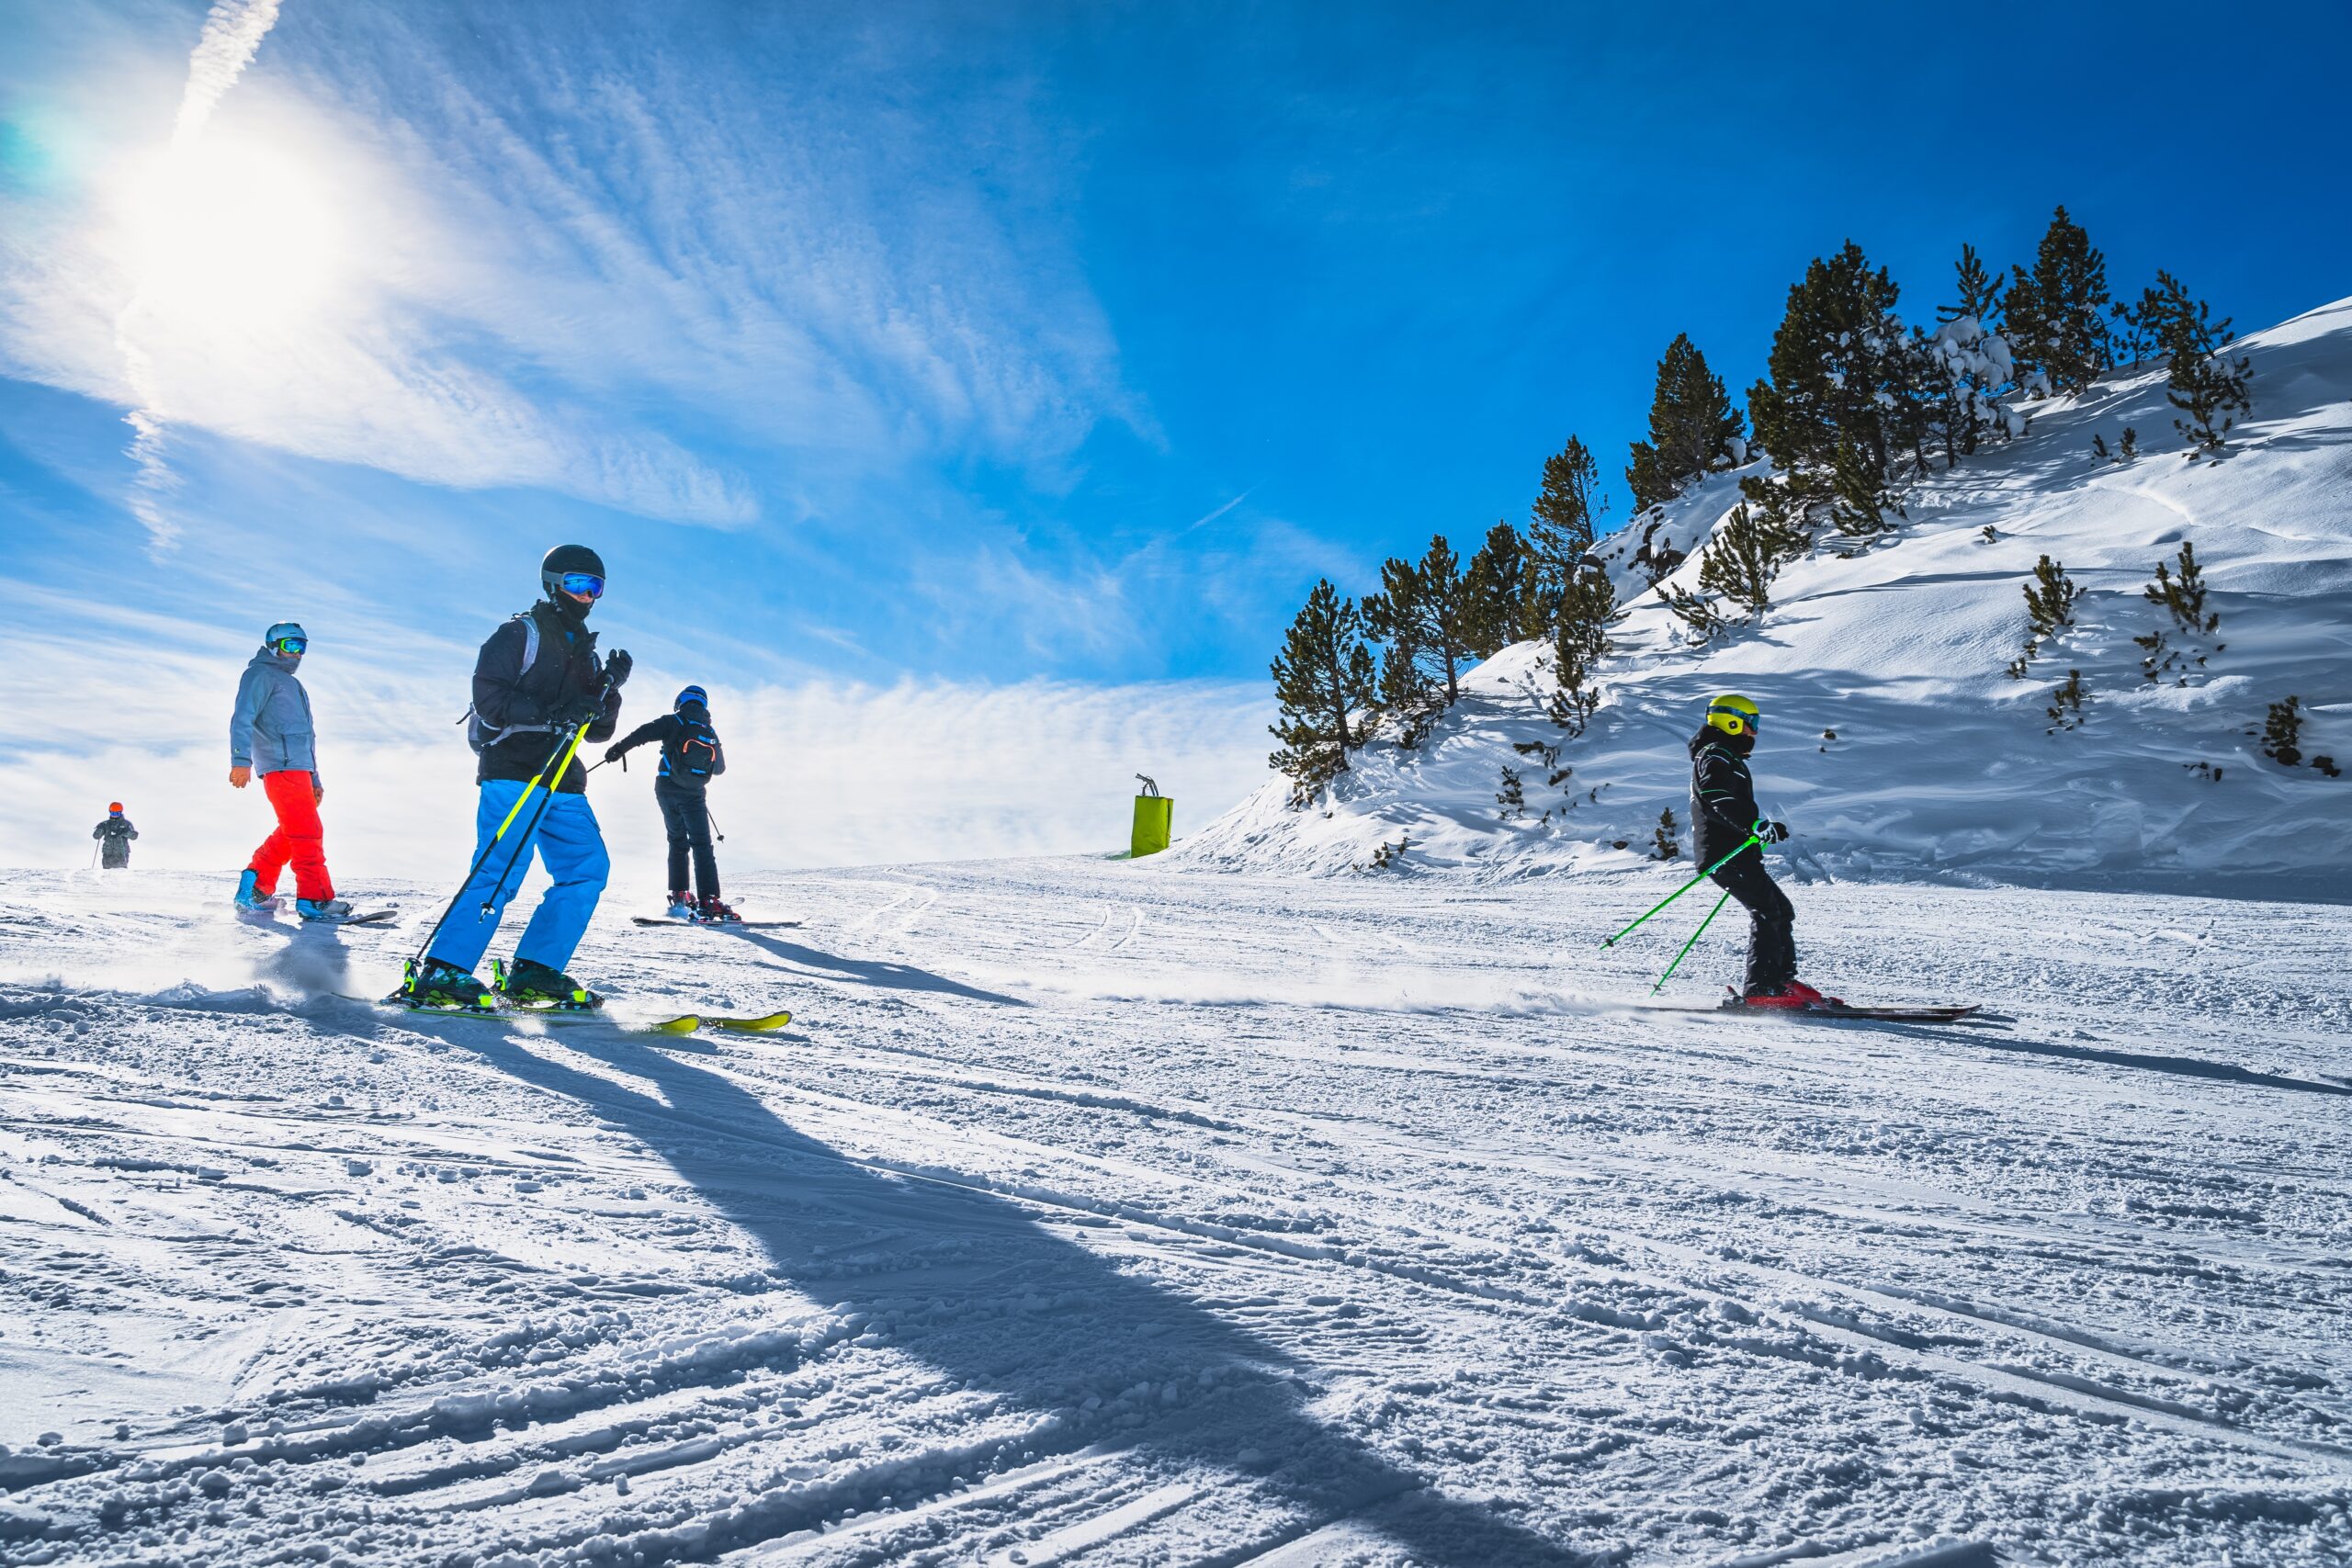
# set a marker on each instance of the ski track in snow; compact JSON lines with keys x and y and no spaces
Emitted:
{"x":1105,"y":1213}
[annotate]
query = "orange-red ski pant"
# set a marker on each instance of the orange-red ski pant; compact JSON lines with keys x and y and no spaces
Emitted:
{"x":300,"y":839}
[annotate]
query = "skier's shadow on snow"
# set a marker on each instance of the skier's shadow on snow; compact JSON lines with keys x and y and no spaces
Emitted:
{"x":868,"y":971}
{"x":1031,"y":1321}
{"x":313,"y":961}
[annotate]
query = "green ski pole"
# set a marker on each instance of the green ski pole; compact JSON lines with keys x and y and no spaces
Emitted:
{"x":1687,"y":946}
{"x":1611,"y":941}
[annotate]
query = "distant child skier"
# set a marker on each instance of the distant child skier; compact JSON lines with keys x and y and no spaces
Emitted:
{"x":691,"y":758}
{"x":114,"y":836}
{"x":537,"y":681}
{"x":1723,"y":815}
{"x":270,"y":734}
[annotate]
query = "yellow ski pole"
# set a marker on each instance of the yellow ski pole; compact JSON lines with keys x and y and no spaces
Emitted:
{"x":548,"y":769}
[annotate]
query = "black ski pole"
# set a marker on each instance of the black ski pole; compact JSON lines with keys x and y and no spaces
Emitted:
{"x":714,"y":825}
{"x":562,"y":747}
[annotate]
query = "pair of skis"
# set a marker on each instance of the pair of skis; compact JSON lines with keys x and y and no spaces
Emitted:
{"x":1828,"y":1008}
{"x":382,"y":916}
{"x":685,"y":1023}
{"x":711,"y":925}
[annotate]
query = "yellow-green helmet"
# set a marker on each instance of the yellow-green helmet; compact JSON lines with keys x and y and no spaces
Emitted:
{"x":1732,"y":715}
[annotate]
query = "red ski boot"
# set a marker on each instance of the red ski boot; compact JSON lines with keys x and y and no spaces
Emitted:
{"x":711,"y":912}
{"x":1794,"y":997}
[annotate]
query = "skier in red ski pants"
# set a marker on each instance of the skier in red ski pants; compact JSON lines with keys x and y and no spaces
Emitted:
{"x":271,"y":734}
{"x":299,"y":839}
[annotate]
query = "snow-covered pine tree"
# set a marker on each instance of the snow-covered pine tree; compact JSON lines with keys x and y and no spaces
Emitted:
{"x":1512,"y":796}
{"x":1560,"y":527}
{"x":1581,"y":618}
{"x":2065,"y":709}
{"x":1968,"y":365}
{"x":2053,"y":315}
{"x":1979,"y":288}
{"x":2050,"y":598}
{"x":1859,"y":499}
{"x":1322,"y":681}
{"x":2184,"y":596}
{"x":1499,"y":587}
{"x":1664,"y":843}
{"x":2283,"y":732}
{"x":1751,"y":546}
{"x":2205,"y":383}
{"x":1693,"y":427}
{"x":1426,"y":608}
{"x":1836,"y":367}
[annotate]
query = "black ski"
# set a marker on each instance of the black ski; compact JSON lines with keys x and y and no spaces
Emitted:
{"x":712,"y":925}
{"x":1951,"y":1013}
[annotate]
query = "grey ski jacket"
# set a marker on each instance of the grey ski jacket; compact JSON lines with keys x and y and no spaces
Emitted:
{"x":271,"y":732}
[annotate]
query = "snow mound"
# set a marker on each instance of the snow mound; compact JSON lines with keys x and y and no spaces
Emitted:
{"x":1895,"y":741}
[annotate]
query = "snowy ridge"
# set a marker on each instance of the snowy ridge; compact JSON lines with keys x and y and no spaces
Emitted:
{"x":1943,"y":764}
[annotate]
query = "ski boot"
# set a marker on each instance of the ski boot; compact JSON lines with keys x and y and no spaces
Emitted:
{"x":435,"y":985}
{"x":250,"y":898}
{"x":1794,"y":996}
{"x":682,"y":907}
{"x":534,"y":986}
{"x":322,"y":908}
{"x":712,"y":912}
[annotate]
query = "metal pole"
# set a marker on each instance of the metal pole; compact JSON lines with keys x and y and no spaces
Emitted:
{"x":1611,"y":941}
{"x":1687,"y":946}
{"x":562,"y":749}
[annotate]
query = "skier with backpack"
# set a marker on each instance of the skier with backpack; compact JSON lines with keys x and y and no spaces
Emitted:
{"x":691,"y":758}
{"x":538,"y":687}
{"x":1724,"y":817}
{"x":271,"y":734}
{"x":114,"y":836}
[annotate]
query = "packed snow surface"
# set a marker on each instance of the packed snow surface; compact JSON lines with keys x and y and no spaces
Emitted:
{"x":1111,"y":1214}
{"x":1895,"y":741}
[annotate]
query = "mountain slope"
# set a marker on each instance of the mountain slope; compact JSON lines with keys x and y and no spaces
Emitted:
{"x":1941,"y":763}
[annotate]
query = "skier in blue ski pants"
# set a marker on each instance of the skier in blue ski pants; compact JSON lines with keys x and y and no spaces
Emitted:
{"x":540,"y":690}
{"x":569,"y":843}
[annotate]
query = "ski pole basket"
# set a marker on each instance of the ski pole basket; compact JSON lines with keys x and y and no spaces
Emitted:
{"x":1155,"y":818}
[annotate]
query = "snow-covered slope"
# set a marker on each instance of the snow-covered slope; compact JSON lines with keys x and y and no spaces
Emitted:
{"x":1105,"y":1214}
{"x":1941,"y":763}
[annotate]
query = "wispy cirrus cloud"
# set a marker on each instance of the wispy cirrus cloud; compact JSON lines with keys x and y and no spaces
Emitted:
{"x":661,"y":268}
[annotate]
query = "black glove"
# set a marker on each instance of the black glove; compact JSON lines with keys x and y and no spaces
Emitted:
{"x":1770,"y":832}
{"x":577,"y":710}
{"x":618,"y":664}
{"x":614,"y":754}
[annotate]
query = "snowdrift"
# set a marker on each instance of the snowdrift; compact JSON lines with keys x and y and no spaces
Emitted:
{"x":1895,"y":741}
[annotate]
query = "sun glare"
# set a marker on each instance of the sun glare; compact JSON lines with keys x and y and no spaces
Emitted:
{"x":230,"y":233}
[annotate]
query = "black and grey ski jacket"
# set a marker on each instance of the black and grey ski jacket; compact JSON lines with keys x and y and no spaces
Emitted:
{"x":1723,"y":796}
{"x":691,"y":754}
{"x":516,"y":704}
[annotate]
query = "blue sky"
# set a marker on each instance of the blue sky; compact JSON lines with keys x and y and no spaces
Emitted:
{"x":993,"y":343}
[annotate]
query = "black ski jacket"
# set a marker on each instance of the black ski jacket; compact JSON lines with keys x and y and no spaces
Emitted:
{"x":1723,"y":796}
{"x":517,"y":706}
{"x":673,"y":732}
{"x":115,"y":828}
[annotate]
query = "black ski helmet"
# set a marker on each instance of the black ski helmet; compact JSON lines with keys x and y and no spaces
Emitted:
{"x":564,"y":560}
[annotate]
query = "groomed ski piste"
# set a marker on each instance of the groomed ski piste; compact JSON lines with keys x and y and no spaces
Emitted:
{"x":1106,"y":1212}
{"x":1247,"y":1206}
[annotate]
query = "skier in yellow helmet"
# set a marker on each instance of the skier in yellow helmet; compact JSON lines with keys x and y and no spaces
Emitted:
{"x":1722,"y":815}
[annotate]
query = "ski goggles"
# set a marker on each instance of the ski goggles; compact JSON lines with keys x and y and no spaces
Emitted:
{"x":293,"y":646}
{"x":581,"y":584}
